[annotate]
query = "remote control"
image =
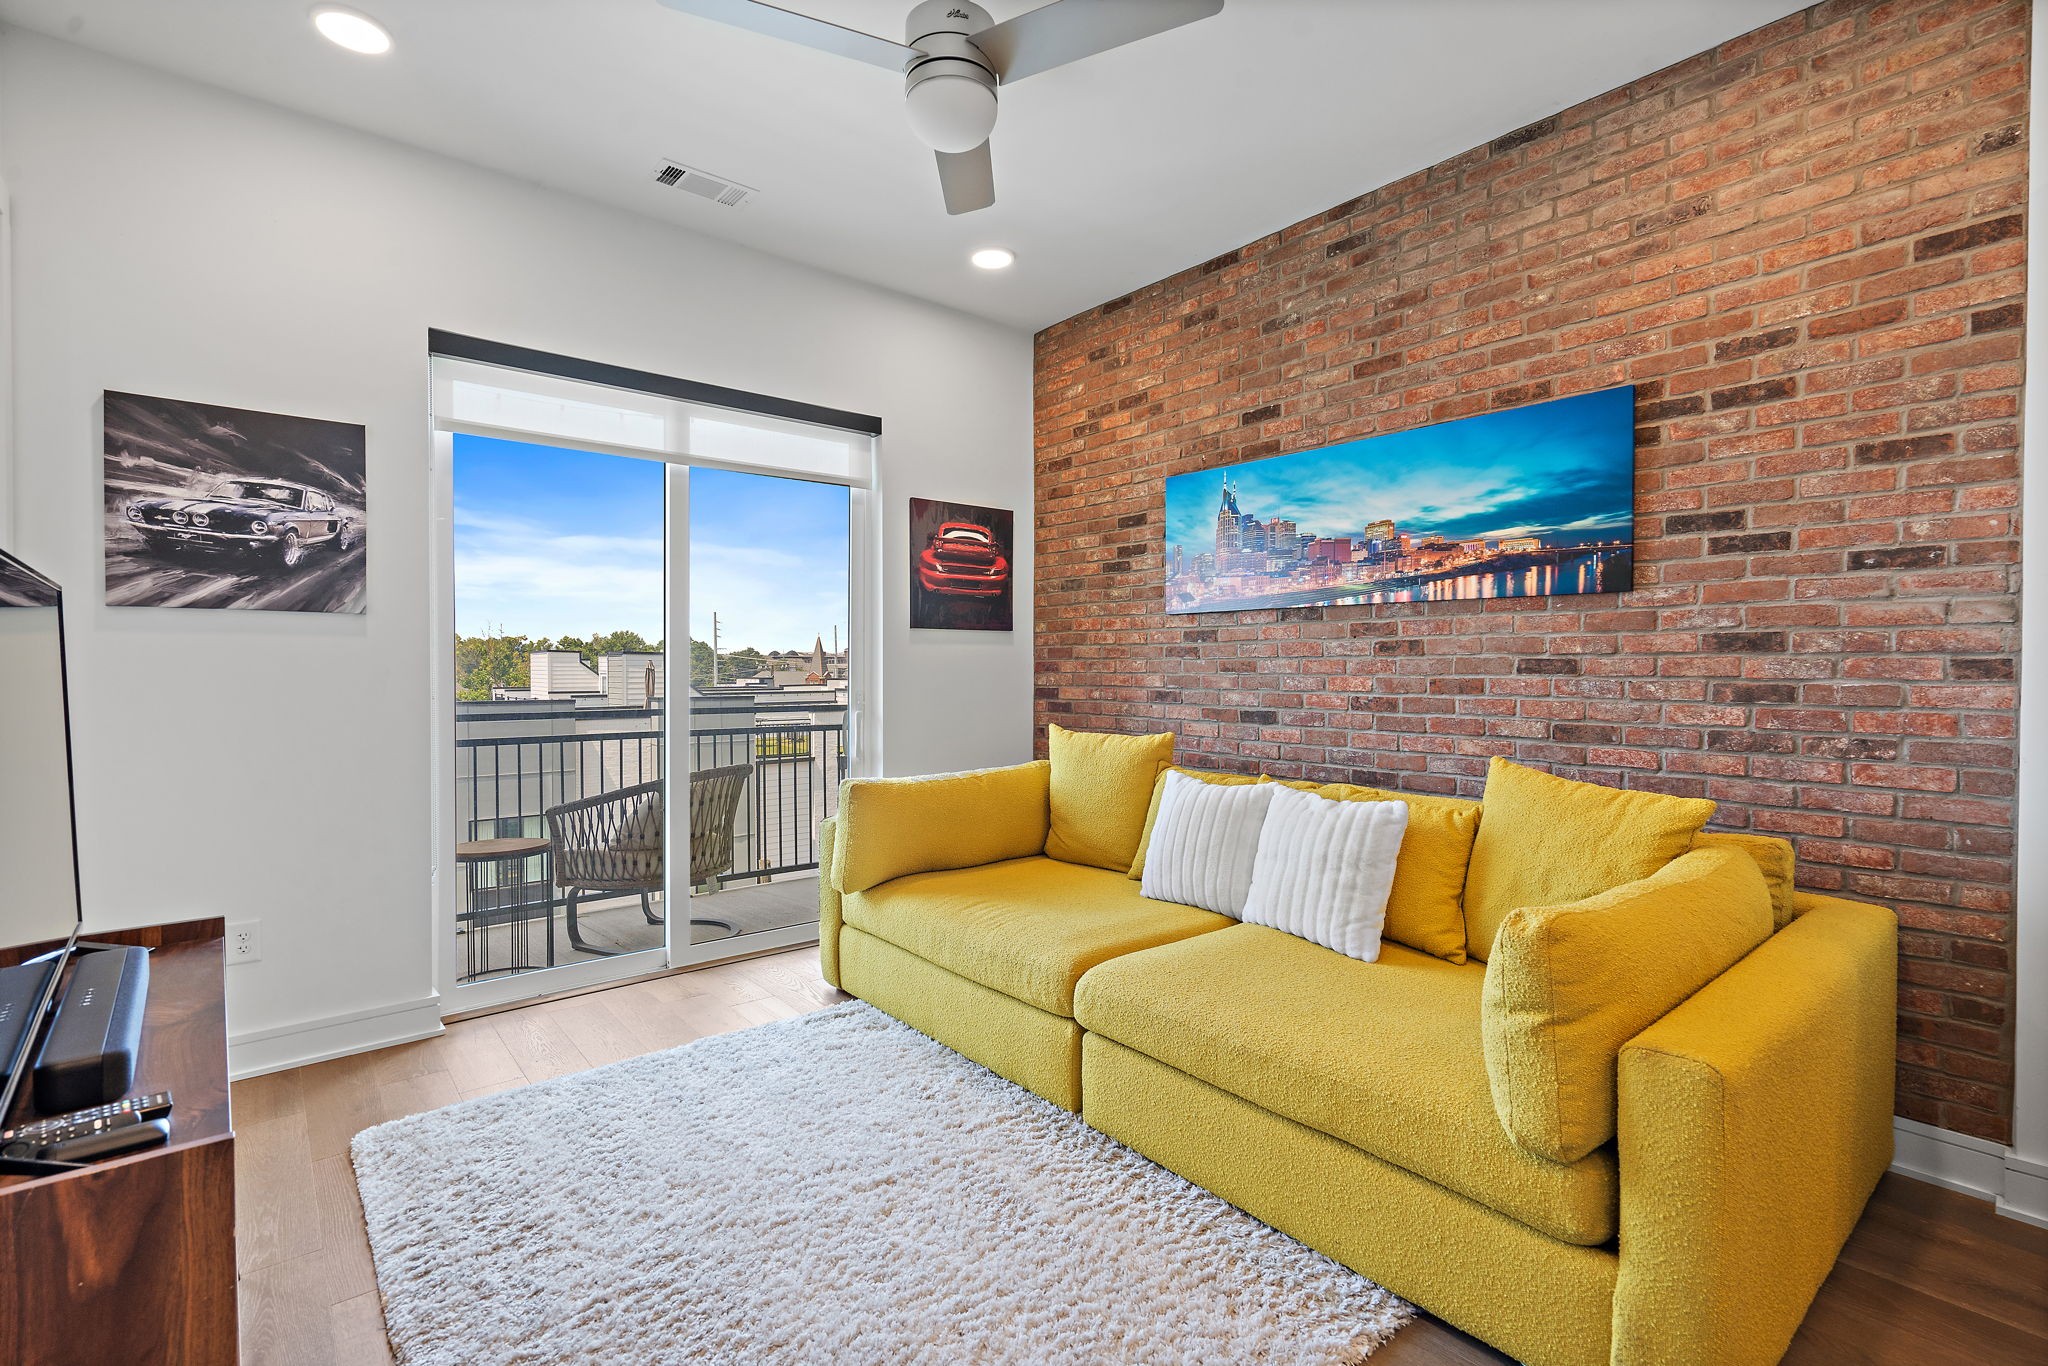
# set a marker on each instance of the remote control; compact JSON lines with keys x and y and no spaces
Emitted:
{"x":143,"y":1133}
{"x":118,"y":1114}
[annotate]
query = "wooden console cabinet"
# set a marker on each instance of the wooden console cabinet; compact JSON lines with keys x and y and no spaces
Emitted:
{"x":132,"y":1260}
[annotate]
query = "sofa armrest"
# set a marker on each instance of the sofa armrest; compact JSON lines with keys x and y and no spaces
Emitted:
{"x":1755,"y":1119}
{"x":889,"y":827}
{"x":829,"y":917}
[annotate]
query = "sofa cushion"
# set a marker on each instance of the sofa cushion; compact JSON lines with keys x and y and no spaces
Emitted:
{"x":892,"y":826}
{"x":1567,"y":986}
{"x":1545,"y":840}
{"x":1159,"y":793}
{"x":1027,"y":927}
{"x":1385,"y":1056}
{"x":1101,"y":787}
{"x":1774,"y":859}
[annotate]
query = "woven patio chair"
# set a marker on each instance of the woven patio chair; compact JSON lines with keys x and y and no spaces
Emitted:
{"x":613,"y":843}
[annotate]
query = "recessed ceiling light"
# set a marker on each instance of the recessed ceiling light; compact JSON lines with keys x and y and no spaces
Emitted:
{"x":356,"y":32}
{"x":994,"y":258}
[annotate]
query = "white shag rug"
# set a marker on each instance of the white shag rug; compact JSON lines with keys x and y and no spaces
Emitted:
{"x":831,"y":1190}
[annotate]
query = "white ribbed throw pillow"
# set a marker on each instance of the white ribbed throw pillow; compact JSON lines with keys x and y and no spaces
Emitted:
{"x":1324,"y":869}
{"x":1204,"y":841}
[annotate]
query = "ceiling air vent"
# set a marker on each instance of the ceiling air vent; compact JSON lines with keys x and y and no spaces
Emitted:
{"x":704,"y":185}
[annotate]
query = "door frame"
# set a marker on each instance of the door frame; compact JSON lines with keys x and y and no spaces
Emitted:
{"x":862,"y":734}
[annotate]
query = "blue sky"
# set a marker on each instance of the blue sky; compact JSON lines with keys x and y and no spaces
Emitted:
{"x":1563,"y":469}
{"x":554,"y":542}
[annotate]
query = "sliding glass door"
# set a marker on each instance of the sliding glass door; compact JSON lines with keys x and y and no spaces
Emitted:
{"x":654,"y":684}
{"x":769,"y":701}
{"x":560,"y":612}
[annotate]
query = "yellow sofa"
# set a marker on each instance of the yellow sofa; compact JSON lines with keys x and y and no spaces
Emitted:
{"x":1348,"y":1104}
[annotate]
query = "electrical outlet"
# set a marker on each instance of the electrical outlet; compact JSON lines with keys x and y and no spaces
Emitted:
{"x":243,"y":945}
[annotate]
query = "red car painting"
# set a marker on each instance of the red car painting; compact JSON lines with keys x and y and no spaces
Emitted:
{"x":963,"y":560}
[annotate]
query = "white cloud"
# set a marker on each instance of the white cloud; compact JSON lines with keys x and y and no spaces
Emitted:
{"x":515,"y":577}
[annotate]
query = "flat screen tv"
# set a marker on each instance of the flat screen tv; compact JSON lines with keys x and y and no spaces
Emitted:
{"x":1524,"y":502}
{"x":39,"y":903}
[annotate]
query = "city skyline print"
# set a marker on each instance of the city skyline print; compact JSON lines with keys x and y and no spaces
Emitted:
{"x":1528,"y":502}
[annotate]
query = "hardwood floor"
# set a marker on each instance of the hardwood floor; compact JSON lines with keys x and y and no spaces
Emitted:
{"x":1929,"y":1277}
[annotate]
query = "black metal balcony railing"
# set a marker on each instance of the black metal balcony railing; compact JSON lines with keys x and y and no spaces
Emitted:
{"x":505,"y":779}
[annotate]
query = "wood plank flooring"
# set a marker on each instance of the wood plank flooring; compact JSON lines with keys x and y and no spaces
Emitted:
{"x":1929,"y":1277}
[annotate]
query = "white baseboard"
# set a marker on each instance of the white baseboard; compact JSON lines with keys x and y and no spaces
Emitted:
{"x":1961,"y":1162}
{"x":260,"y":1051}
{"x":1975,"y":1166}
{"x":2026,"y":1191}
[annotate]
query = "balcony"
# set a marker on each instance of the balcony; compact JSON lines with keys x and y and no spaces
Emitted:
{"x":517,"y":759}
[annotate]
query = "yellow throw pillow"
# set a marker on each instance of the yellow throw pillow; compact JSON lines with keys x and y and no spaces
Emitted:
{"x":1545,"y":840}
{"x":892,"y":826}
{"x":1159,"y":789}
{"x":1568,"y":985}
{"x":1101,"y":787}
{"x":1773,"y":857}
{"x":1426,"y":909}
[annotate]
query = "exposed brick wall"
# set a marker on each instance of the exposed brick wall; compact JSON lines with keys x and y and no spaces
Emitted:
{"x":1806,"y":250}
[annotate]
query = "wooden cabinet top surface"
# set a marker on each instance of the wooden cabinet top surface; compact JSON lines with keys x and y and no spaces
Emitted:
{"x":184,"y":1038}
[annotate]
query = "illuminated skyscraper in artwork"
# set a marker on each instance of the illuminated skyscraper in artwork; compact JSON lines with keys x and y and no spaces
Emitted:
{"x":1228,"y":522}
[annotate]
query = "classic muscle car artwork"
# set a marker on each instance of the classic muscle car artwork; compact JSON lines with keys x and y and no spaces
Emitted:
{"x":960,"y":577}
{"x":254,"y":516}
{"x":224,"y":507}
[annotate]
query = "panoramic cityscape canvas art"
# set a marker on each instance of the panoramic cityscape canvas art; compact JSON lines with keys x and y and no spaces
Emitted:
{"x":1521,"y":503}
{"x":223,"y":507}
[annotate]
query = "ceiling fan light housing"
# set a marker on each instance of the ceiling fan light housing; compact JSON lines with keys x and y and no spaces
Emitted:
{"x":944,"y":16}
{"x":952,"y":103}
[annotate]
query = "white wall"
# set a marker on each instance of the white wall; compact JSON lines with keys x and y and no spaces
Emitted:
{"x":6,"y":333}
{"x":2025,"y":1188}
{"x":172,"y":239}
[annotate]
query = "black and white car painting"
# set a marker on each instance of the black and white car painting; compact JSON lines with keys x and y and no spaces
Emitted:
{"x":224,"y":507}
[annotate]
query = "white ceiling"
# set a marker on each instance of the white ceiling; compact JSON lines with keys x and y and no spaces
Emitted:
{"x":1110,"y":173}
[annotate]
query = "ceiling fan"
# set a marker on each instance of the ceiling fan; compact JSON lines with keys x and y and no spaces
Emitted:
{"x":955,"y":54}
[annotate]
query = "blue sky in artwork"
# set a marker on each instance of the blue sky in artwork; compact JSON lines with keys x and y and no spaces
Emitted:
{"x":1563,"y":470}
{"x":554,"y":542}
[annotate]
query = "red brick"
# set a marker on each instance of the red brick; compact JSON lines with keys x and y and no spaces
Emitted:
{"x":1807,"y":251}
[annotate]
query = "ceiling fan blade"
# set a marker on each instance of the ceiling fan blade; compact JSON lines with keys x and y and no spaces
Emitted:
{"x":968,"y":179}
{"x":1068,"y":30}
{"x":801,"y":28}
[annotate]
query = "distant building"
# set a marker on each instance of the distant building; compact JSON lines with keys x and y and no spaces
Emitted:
{"x":1516,"y":544}
{"x":1331,"y":550}
{"x":551,"y":674}
{"x":795,"y":670}
{"x":631,"y":679}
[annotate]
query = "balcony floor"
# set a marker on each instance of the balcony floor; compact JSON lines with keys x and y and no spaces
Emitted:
{"x":618,"y":925}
